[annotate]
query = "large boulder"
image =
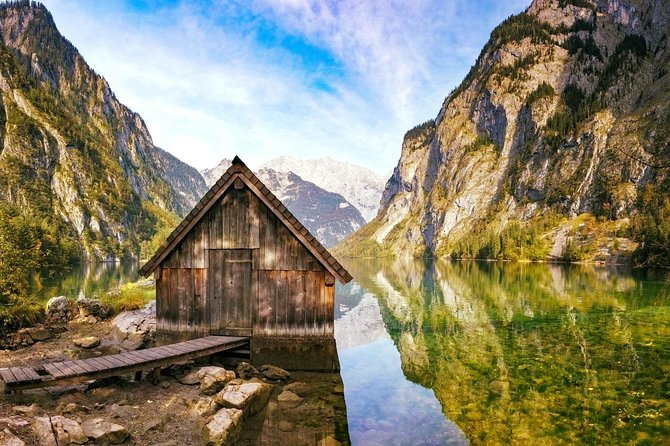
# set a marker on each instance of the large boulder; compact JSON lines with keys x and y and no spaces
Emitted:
{"x":104,"y":432}
{"x":67,"y":431}
{"x":93,"y":307}
{"x":249,"y":397}
{"x":213,"y":379}
{"x":58,"y":310}
{"x":58,"y":431}
{"x":223,"y":429}
{"x":134,"y":329}
{"x":44,"y":431}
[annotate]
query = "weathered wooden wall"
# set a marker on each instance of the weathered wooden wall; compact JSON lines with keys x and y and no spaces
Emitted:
{"x":241,"y":271}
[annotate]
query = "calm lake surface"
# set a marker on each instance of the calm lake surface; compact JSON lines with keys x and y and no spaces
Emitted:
{"x":499,"y":353}
{"x":440,"y":353}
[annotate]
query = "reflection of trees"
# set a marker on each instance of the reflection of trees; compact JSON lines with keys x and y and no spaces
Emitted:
{"x":520,"y":353}
{"x":91,"y":279}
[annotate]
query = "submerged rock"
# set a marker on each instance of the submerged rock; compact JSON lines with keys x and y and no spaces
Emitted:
{"x":299,"y":388}
{"x":224,"y":428}
{"x":274,"y":373}
{"x":289,"y":399}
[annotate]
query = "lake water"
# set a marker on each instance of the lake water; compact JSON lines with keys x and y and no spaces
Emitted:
{"x":499,"y":353}
{"x":440,"y":353}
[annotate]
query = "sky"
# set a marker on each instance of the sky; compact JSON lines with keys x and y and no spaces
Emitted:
{"x":263,"y":78}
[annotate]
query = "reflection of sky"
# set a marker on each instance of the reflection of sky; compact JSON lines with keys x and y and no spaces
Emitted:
{"x":383,"y":407}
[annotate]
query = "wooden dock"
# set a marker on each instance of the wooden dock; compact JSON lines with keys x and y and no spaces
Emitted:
{"x":67,"y":372}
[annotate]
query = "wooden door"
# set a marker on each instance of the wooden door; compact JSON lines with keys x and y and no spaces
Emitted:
{"x":230,"y":288}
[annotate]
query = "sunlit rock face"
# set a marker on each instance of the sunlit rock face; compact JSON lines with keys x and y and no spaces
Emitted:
{"x":527,"y":353}
{"x":563,"y":113}
{"x":70,"y":152}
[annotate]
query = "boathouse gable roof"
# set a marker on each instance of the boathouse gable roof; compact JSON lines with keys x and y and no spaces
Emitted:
{"x":239,"y":171}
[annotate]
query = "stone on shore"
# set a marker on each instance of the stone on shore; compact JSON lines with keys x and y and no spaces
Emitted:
{"x":86,"y":342}
{"x":133,"y":329}
{"x":246,"y":370}
{"x":58,"y":310}
{"x":44,"y":431}
{"x":27,"y":411}
{"x":213,"y":379}
{"x":224,"y":428}
{"x":190,"y":379}
{"x":104,"y":432}
{"x":7,"y":438}
{"x":249,"y":397}
{"x":205,"y":407}
{"x":93,"y":307}
{"x":67,"y":431}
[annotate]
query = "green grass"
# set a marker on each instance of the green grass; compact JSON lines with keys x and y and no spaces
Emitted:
{"x":129,"y":296}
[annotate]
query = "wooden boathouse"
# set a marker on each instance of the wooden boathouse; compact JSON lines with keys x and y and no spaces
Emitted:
{"x":240,"y":264}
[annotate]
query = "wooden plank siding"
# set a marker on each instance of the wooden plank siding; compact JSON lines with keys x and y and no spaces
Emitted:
{"x":240,"y":271}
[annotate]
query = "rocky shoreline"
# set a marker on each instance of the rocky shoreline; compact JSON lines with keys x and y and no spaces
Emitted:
{"x":225,"y":402}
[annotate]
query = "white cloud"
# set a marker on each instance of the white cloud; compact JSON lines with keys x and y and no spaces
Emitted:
{"x":209,"y":88}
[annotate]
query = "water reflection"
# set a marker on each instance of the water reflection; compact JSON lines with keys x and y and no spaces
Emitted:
{"x":88,"y":279}
{"x":513,"y":353}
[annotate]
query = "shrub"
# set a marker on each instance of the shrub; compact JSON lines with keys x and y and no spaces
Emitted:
{"x":544,"y":90}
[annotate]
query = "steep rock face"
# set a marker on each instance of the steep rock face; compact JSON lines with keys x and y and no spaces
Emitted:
{"x":69,"y":151}
{"x":565,"y":112}
{"x":360,"y":186}
{"x":327,"y":215}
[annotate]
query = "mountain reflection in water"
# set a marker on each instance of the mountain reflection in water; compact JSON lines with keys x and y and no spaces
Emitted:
{"x":496,"y":353}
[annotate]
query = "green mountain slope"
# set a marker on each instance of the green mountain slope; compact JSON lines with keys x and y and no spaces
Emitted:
{"x":71,"y":156}
{"x":556,"y":144}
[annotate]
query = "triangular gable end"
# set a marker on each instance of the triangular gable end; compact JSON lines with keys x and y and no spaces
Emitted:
{"x":238,"y":171}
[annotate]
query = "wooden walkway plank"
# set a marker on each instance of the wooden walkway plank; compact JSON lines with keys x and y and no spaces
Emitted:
{"x":7,"y":376}
{"x":19,"y":374}
{"x":97,"y":364}
{"x":66,"y":369}
{"x":71,"y":371}
{"x":32,"y":374}
{"x":53,"y":370}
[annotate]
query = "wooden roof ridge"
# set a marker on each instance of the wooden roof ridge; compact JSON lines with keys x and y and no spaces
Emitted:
{"x":239,"y":169}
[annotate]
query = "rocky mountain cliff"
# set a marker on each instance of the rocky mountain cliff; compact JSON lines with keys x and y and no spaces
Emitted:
{"x":360,"y":186}
{"x":327,"y":215}
{"x":554,"y":143}
{"x":70,"y":153}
